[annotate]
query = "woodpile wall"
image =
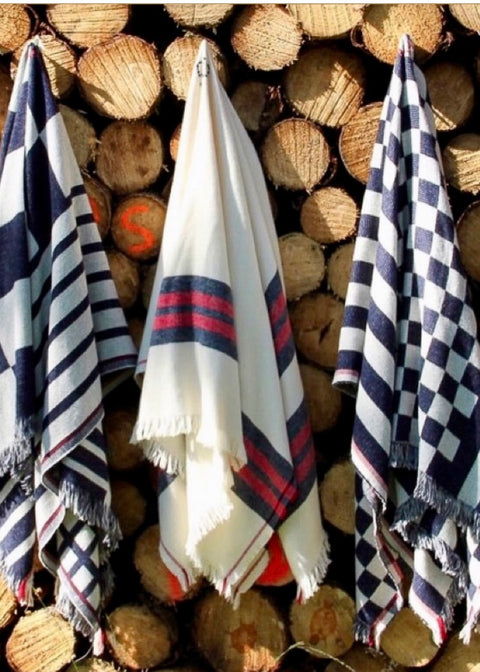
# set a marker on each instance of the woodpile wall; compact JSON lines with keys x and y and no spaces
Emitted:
{"x":307,"y":81}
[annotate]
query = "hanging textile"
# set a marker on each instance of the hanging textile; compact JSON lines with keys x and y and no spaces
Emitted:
{"x":222,"y":412}
{"x":409,"y":353}
{"x":62,"y":332}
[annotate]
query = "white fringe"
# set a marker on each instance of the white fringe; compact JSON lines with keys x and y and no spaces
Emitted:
{"x":19,"y":449}
{"x":153,"y":435}
{"x":309,"y":584}
{"x":94,"y":512}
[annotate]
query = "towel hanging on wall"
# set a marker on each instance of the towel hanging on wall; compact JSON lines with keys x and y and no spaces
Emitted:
{"x":62,"y":331}
{"x":409,"y":353}
{"x":222,"y":411}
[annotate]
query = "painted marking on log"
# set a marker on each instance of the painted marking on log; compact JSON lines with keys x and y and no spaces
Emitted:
{"x":148,"y":236}
{"x":95,"y":209}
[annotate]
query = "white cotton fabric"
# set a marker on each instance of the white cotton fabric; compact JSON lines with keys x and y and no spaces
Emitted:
{"x":210,"y":370}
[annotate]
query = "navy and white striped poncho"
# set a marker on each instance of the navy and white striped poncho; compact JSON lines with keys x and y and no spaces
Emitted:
{"x":409,"y":353}
{"x":61,"y":329}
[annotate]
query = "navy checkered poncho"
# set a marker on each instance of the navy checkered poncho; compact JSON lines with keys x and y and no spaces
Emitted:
{"x":409,"y":353}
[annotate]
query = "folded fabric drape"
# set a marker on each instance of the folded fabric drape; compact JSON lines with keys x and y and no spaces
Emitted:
{"x":408,"y":351}
{"x":62,"y":332}
{"x":222,"y":411}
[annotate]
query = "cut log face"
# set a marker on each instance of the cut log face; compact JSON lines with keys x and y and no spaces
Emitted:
{"x":257,"y":104}
{"x":195,"y":15}
{"x":329,"y":215}
{"x":468,"y":232}
{"x":323,"y":21}
{"x":457,"y":656}
{"x":60,"y":63}
{"x":179,"y":60}
{"x":121,"y":78}
{"x":326,"y":84}
{"x":118,"y":427}
{"x":126,"y":277}
{"x":339,"y":266}
{"x":251,"y":637}
{"x":325,"y":622}
{"x":138,"y":638}
{"x":316,"y":323}
{"x":8,"y":604}
{"x":337,"y":496}
{"x":130,"y":156}
{"x":91,"y":665}
{"x":137,"y":225}
{"x":6,"y":85}
{"x":100,"y":199}
{"x":357,"y":140}
{"x":148,"y":278}
{"x":136,"y":327}
{"x":461,"y":162}
{"x":324,"y":402}
{"x":266,"y":37}
{"x":452,"y":94}
{"x":87,"y":24}
{"x":303,"y":264}
{"x":16,"y":25}
{"x":468,"y":14}
{"x":41,"y":640}
{"x":408,"y":641}
{"x":81,"y":133}
{"x":295,"y":154}
{"x":383,"y":25}
{"x":129,"y":505}
{"x":174,"y":142}
{"x":155,"y":576}
{"x":365,"y":659}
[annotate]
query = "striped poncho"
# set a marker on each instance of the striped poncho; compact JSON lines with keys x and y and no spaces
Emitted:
{"x":61,"y":331}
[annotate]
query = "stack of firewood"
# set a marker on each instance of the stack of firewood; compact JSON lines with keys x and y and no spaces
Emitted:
{"x":307,"y":81}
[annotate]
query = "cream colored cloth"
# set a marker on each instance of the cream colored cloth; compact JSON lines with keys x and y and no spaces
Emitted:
{"x":222,"y":410}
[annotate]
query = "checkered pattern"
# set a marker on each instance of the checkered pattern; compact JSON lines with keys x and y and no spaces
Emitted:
{"x":62,"y":329}
{"x":408,"y":351}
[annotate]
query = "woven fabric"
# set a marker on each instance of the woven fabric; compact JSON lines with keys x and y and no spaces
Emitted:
{"x":409,"y":353}
{"x":222,"y":410}
{"x":62,"y":331}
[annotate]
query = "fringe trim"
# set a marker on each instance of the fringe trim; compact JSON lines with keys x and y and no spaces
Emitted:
{"x":164,"y":427}
{"x":472,"y":618}
{"x":451,"y":563}
{"x":403,"y":455}
{"x":409,"y":512}
{"x":162,"y":458}
{"x":439,"y":499}
{"x":210,"y":520}
{"x":94,"y":512}
{"x":19,"y":450}
{"x":150,"y":434}
{"x":68,"y":610}
{"x":363,"y":633}
{"x":309,"y":584}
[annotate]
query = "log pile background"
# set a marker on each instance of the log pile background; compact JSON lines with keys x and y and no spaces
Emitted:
{"x":307,"y":82}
